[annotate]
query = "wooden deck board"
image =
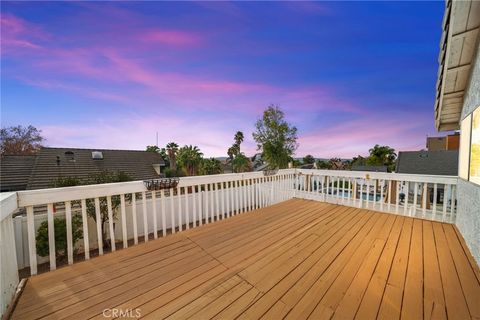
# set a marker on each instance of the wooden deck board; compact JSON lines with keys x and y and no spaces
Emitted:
{"x":298,"y":259}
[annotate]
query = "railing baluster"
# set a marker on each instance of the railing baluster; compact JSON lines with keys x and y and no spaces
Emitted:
{"x":187,"y":209}
{"x":250,"y":195}
{"x":32,"y":248}
{"x":194,"y":201}
{"x":381,"y":194}
{"x":453,"y":192}
{"x":51,"y":237}
{"x":145,"y":217}
{"x":154,"y":214}
{"x":68,"y":222}
{"x":367,"y":194}
{"x":375,"y":185}
{"x":415,"y":196}
{"x":207,"y":204}
{"x":172,"y":210}
{"x":434,"y":209}
{"x":217,"y":202}
{"x":86,"y":243}
{"x":407,"y":193}
{"x":200,"y":204}
{"x":389,"y":195}
{"x":445,"y":201}
{"x":397,"y":195}
{"x":110,"y":222}
{"x":228,"y":191}
{"x":244,"y":196}
{"x":124,"y":221}
{"x":164,"y":214}
{"x":236,"y":192}
{"x":99,"y":226}
{"x":212,"y":203}
{"x":134,"y":218}
{"x":179,"y":202}
{"x":222,"y":193}
{"x":424,"y":199}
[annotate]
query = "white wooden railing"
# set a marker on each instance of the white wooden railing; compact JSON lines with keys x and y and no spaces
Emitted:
{"x":195,"y":201}
{"x":422,"y":196}
{"x":8,"y":258}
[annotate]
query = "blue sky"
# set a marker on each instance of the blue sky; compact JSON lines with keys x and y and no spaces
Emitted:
{"x":110,"y":75}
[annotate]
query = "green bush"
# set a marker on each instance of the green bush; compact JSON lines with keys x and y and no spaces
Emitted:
{"x":60,"y":228}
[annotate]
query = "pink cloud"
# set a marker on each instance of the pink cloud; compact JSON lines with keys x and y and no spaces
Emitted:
{"x":18,"y":33}
{"x":171,"y":37}
{"x":350,"y":138}
{"x":210,"y":136}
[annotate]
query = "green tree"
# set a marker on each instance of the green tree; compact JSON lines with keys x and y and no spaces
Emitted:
{"x":275,"y":137}
{"x":359,"y":161}
{"x":98,"y":178}
{"x":241,"y":163}
{"x":153,"y":149}
{"x":189,"y":158}
{"x":211,"y":166}
{"x":382,"y":156}
{"x":172,"y":150}
{"x":238,"y":140}
{"x":20,"y":140}
{"x":60,"y":227}
{"x":162,"y":152}
{"x":322,"y":164}
{"x":308,"y":159}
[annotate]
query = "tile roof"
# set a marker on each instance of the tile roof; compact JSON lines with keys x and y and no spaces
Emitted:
{"x":137,"y":164}
{"x":370,"y":168}
{"x":15,"y":172}
{"x":443,"y":162}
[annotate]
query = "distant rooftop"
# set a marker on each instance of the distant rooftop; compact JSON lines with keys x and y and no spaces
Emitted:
{"x":39,"y":171}
{"x":370,"y":168}
{"x":428,"y":162}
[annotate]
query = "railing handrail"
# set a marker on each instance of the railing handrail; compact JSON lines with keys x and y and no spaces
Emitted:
{"x":53,"y":195}
{"x":382,"y":175}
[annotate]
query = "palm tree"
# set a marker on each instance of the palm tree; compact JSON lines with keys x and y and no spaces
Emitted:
{"x":189,"y":158}
{"x":382,"y":155}
{"x":238,"y":139}
{"x":211,"y":166}
{"x":241,"y":163}
{"x":172,"y":150}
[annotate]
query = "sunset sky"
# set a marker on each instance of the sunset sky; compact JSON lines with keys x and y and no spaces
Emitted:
{"x":110,"y":75}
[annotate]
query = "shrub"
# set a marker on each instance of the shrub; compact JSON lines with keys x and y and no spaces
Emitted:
{"x":60,"y":228}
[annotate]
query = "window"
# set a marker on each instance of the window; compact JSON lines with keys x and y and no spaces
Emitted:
{"x":475,"y":147}
{"x":469,"y":157}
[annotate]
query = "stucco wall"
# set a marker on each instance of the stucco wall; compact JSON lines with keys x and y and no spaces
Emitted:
{"x":468,"y":210}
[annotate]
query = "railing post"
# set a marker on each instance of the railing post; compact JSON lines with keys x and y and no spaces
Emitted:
{"x":32,"y":248}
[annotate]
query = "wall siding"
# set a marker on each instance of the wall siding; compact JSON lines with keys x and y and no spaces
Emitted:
{"x":468,"y":211}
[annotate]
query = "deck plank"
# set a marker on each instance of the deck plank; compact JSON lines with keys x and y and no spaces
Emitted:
{"x":295,"y":260}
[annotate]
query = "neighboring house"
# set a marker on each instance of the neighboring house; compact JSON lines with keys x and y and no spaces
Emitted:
{"x":15,"y":172}
{"x":49,"y":164}
{"x":370,"y":168}
{"x":428,"y":162}
{"x":457,"y":107}
{"x":450,"y":142}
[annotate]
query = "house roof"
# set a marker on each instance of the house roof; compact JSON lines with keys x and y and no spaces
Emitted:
{"x":443,"y":162}
{"x":370,"y":168}
{"x":458,"y":47}
{"x":15,"y":171}
{"x":80,"y":164}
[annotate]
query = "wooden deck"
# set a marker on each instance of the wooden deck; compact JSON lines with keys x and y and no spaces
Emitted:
{"x":296,"y":260}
